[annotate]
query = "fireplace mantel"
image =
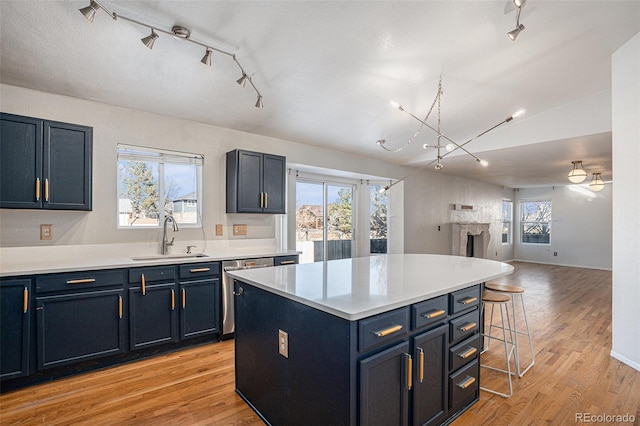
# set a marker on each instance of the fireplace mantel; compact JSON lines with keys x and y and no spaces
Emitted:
{"x":459,"y":233}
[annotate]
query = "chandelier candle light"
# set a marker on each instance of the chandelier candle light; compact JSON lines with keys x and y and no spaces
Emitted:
{"x":450,"y":146}
{"x":178,"y":32}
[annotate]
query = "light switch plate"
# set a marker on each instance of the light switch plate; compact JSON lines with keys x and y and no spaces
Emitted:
{"x":239,"y":229}
{"x":218,"y":230}
{"x":283,"y":343}
{"x":46,"y":232}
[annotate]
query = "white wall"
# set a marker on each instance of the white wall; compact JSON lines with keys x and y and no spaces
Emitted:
{"x":626,"y":203}
{"x":113,"y":125}
{"x":429,"y":197}
{"x":580,"y":228}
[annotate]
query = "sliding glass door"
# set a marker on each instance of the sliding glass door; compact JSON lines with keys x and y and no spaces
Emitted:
{"x":324,"y":221}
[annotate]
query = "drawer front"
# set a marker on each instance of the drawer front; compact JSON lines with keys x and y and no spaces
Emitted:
{"x":464,"y":299}
{"x":195,"y":270}
{"x":382,"y":328}
{"x":431,"y":311}
{"x":285,"y":260}
{"x":153,"y":273}
{"x":464,"y":326}
{"x":79,"y":280}
{"x":464,"y":387}
{"x":464,"y":352}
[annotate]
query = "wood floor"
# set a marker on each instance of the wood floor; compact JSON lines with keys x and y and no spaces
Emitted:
{"x":569,"y":313}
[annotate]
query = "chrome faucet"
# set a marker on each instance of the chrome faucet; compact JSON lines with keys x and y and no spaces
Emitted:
{"x":165,"y":242}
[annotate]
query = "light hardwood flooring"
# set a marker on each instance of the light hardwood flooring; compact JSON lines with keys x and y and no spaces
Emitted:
{"x":569,"y":313}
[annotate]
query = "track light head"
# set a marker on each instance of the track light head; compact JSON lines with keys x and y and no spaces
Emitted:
{"x":513,"y":34}
{"x":259,"y":102}
{"x":150,"y":39}
{"x":483,"y":163}
{"x":89,"y":12}
{"x":242,"y":81}
{"x":519,"y":3}
{"x":206,"y":59}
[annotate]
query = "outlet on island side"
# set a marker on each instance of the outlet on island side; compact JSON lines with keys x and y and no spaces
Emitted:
{"x":46,"y":232}
{"x":283,"y":343}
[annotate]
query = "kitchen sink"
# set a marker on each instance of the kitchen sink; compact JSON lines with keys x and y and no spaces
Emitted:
{"x":169,"y":256}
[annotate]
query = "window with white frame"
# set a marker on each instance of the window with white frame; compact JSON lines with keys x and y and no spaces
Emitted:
{"x":535,"y":222}
{"x":507,"y":219}
{"x":155,"y":183}
{"x":378,"y":226}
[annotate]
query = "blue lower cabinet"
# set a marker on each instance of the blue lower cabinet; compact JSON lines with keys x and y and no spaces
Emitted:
{"x":15,"y":314}
{"x":79,"y":326}
{"x":152,"y":315}
{"x":199,"y":312}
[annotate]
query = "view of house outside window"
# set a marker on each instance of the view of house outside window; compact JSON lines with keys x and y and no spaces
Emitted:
{"x":535,"y":221}
{"x":153,"y":184}
{"x":507,"y":218}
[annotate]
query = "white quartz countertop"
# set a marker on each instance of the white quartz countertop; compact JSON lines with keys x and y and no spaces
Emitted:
{"x":353,"y":289}
{"x":45,"y":260}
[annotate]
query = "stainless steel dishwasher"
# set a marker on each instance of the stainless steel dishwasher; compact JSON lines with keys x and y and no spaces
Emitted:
{"x":228,"y":324}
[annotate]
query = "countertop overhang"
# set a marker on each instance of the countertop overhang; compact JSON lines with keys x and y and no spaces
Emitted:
{"x":353,"y":289}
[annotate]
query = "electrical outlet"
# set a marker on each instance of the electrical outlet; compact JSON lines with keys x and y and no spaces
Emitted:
{"x":239,"y":229}
{"x":218,"y":229}
{"x":555,"y":253}
{"x":283,"y":343}
{"x":46,"y":232}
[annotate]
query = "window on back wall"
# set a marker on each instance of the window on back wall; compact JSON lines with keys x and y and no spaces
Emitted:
{"x":535,"y":222}
{"x":154,"y":183}
{"x":507,"y":219}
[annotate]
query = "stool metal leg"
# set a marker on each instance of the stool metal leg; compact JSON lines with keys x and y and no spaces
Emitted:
{"x":527,"y":333}
{"x":508,"y":352}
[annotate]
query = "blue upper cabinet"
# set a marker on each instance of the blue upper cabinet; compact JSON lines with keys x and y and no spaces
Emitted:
{"x":255,"y":182}
{"x":44,"y":164}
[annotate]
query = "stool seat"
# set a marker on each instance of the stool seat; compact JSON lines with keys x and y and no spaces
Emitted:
{"x":491,"y":297}
{"x":504,"y":288}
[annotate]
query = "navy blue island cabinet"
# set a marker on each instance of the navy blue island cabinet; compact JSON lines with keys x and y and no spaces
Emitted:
{"x":416,"y":364}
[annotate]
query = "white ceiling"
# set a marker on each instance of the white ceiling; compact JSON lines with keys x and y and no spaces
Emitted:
{"x":328,"y":69}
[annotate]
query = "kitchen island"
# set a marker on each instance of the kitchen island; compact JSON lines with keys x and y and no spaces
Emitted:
{"x":388,"y":339}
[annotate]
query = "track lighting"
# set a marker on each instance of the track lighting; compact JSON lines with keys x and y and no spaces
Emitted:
{"x":578,"y":174}
{"x":451,"y":145}
{"x":513,"y":34}
{"x":206,"y":59}
{"x":150,"y":39}
{"x":597,"y":184}
{"x":242,"y":81}
{"x":177,"y":31}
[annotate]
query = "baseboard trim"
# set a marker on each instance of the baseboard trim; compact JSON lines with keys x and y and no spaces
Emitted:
{"x":625,"y":360}
{"x":561,"y":264}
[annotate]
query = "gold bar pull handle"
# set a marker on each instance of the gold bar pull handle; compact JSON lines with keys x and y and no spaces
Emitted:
{"x":468,"y":326}
{"x":120,"y":307}
{"x":266,"y":200}
{"x":46,"y":189}
{"x":387,"y":331}
{"x":144,"y":285}
{"x":469,"y":352}
{"x":288,"y":262}
{"x":25,"y":300}
{"x":409,"y":371}
{"x":82,"y":281}
{"x":434,"y":314}
{"x":468,"y":300}
{"x":173,"y":300}
{"x":421,"y":365}
{"x":261,"y":199}
{"x":37,"y":189}
{"x":184,"y":298}
{"x":199,"y":270}
{"x":467,"y":382}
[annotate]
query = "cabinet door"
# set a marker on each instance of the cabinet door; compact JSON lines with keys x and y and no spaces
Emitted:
{"x":152,"y":316}
{"x":14,"y":328}
{"x":274,"y":184}
{"x":20,"y":162}
{"x":384,"y":387}
{"x":430,"y":376}
{"x":200,"y":308}
{"x":67,"y":166}
{"x":249,"y":189}
{"x":80,"y":326}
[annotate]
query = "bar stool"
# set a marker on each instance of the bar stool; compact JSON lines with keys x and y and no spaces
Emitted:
{"x":492,"y":298}
{"x":512,"y":291}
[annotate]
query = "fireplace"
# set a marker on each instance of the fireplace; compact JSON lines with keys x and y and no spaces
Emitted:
{"x":476,"y":246}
